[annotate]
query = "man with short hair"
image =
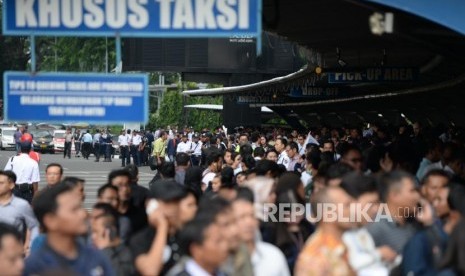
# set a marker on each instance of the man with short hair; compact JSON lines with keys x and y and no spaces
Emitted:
{"x":352,"y":156}
{"x":301,"y":144}
{"x":182,"y":164}
{"x":207,"y":249}
{"x":53,"y":174}
{"x":423,"y":253}
{"x":432,"y":155}
{"x":16,"y":211}
{"x":86,"y":144}
{"x":196,"y":150}
{"x":63,"y":219}
{"x":26,"y":171}
{"x":364,"y":257}
{"x":214,"y":165}
{"x":397,"y":191}
{"x":69,"y":139}
{"x":156,"y":249}
{"x":106,"y":237}
{"x":267,"y":259}
{"x":17,"y":138}
{"x":96,"y":144}
{"x":280,"y":146}
{"x":136,"y":139}
{"x":292,"y":151}
{"x":159,"y":148}
{"x":123,"y":141}
{"x":432,"y":182}
{"x":127,"y":206}
{"x":11,"y":251}
{"x":184,"y":146}
{"x":328,"y":146}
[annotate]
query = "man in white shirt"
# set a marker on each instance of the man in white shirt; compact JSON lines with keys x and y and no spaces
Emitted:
{"x":280,"y":146}
{"x":301,"y":144}
{"x":135,"y":142}
{"x":267,"y":259}
{"x":196,"y":151}
{"x":184,"y":146}
{"x":123,"y":142}
{"x":27,"y":173}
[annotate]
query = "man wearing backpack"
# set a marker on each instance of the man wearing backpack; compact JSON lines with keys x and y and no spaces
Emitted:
{"x":27,"y":172}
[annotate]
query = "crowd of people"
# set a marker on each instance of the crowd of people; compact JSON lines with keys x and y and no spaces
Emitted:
{"x":208,"y":209}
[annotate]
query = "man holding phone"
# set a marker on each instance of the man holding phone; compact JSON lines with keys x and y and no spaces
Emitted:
{"x":105,"y":236}
{"x":150,"y":247}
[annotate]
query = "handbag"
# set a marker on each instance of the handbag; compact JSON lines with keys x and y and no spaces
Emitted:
{"x":153,"y":163}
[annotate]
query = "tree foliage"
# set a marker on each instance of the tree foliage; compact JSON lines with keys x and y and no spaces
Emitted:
{"x":75,"y":54}
{"x":14,"y":53}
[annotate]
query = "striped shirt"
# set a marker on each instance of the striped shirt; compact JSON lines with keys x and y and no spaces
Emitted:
{"x":392,"y":234}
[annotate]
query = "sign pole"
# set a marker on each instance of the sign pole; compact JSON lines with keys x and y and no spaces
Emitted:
{"x":33,"y":53}
{"x":119,"y":64}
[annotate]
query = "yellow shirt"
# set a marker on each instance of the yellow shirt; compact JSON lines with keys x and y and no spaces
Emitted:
{"x":323,"y":255}
{"x":159,"y":147}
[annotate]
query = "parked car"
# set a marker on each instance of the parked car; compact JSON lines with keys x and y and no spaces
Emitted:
{"x":7,"y":137}
{"x":43,"y":141}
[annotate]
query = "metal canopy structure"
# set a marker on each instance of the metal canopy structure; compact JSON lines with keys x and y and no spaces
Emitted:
{"x":338,"y":36}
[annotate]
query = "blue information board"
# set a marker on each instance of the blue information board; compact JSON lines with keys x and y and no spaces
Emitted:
{"x":133,"y":18}
{"x":61,"y":97}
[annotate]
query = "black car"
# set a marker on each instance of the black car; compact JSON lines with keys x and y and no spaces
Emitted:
{"x":42,"y":141}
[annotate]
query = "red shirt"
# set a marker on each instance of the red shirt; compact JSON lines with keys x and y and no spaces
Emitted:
{"x":34,"y":155}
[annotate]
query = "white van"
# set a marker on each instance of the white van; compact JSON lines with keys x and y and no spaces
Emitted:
{"x":7,"y":140}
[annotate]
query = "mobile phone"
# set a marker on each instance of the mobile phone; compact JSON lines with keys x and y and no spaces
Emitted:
{"x":151,"y":206}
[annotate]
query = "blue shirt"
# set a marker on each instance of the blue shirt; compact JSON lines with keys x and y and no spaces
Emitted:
{"x":87,"y":138}
{"x":418,"y":253}
{"x":90,"y":261}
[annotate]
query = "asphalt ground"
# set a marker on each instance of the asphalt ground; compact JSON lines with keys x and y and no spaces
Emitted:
{"x":94,"y":173}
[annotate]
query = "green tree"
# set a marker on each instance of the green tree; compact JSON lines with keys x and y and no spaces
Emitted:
{"x":14,"y":53}
{"x":75,"y":54}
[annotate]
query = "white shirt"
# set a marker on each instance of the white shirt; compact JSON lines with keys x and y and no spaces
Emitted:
{"x":197,"y":148}
{"x":25,"y":168}
{"x":283,"y":159}
{"x":192,"y":268}
{"x":363,"y":256}
{"x":268,"y":260}
{"x":123,"y":140}
{"x":208,"y":178}
{"x":306,"y":178}
{"x":183,"y":147}
{"x":136,"y":140}
{"x":301,"y":149}
{"x":438,"y":166}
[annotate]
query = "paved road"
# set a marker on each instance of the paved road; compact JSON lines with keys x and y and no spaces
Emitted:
{"x":95,"y":173}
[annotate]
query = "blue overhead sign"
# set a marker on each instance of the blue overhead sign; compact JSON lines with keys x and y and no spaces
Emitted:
{"x":373,"y":75}
{"x":138,"y":18}
{"x":92,"y":98}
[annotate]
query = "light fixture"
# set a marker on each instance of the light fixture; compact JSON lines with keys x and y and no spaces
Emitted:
{"x":340,"y":61}
{"x":402,"y":115}
{"x":318,"y":70}
{"x":380,"y":115}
